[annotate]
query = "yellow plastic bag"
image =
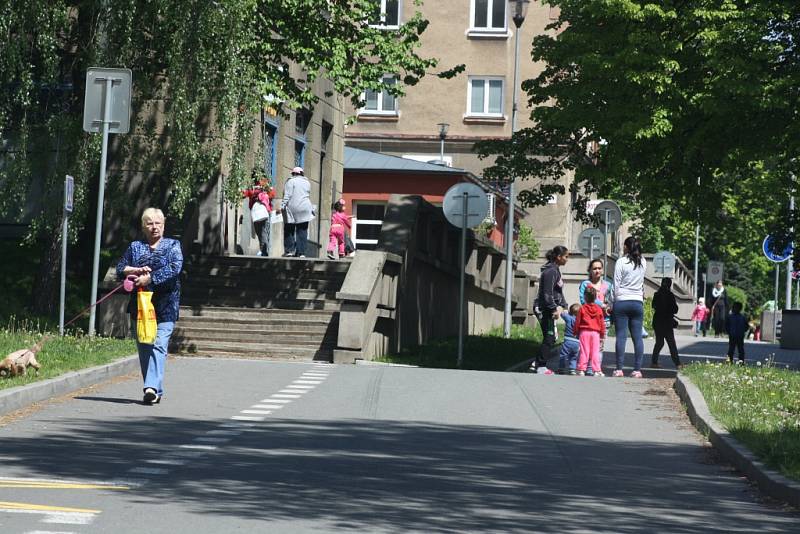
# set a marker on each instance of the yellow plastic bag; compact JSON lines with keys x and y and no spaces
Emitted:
{"x":146,"y":324}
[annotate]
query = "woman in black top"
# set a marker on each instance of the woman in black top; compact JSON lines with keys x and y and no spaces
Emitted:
{"x":551,"y":303}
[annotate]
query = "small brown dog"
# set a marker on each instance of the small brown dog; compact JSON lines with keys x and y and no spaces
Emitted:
{"x":18,"y":361}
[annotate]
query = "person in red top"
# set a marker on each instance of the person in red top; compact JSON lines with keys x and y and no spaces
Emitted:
{"x":261,"y":193}
{"x":340,"y":224}
{"x":590,"y":329}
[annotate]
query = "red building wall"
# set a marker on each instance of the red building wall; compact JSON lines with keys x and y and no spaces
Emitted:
{"x":377,"y":186}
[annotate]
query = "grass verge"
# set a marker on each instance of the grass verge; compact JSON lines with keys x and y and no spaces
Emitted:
{"x":487,"y":352}
{"x":759,"y":405}
{"x":61,"y":354}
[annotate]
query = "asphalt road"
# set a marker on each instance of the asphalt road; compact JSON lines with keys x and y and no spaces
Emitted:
{"x":253,"y":446}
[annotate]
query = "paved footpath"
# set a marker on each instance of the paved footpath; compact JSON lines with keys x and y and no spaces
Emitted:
{"x":692,"y":348}
{"x":254,"y":446}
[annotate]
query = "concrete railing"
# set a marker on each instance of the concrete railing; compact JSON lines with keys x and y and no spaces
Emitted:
{"x":418,"y":260}
{"x":369,"y":307}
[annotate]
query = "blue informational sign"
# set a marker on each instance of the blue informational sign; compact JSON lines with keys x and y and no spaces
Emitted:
{"x":771,"y":256}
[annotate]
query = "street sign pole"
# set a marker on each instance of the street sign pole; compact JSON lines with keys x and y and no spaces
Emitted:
{"x":464,"y":206}
{"x":98,"y":228}
{"x":69,"y":188}
{"x":775,"y":309}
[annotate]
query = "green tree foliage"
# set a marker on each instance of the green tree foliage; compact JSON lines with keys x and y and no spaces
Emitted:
{"x":206,"y":67}
{"x":526,"y":246}
{"x":682,"y":110}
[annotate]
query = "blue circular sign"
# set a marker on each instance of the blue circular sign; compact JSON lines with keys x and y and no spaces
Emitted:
{"x":771,"y":256}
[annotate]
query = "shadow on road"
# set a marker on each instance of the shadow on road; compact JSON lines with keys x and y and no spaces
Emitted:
{"x":368,"y":475}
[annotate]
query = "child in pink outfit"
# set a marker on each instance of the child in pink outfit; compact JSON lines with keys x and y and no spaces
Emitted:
{"x":590,"y":327}
{"x":340,"y":222}
{"x":699,"y":317}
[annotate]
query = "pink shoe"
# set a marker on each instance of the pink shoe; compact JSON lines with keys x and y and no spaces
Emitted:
{"x":544,"y":371}
{"x":618,"y":373}
{"x":636,"y":374}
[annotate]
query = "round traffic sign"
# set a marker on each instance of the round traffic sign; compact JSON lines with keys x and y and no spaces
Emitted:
{"x":610,"y":214}
{"x":477,"y":205}
{"x":766,"y":247}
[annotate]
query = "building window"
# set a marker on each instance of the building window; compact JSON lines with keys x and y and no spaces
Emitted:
{"x":387,"y":14}
{"x":270,"y":149}
{"x":485,"y":97}
{"x":381,"y":102}
{"x":489,"y":15}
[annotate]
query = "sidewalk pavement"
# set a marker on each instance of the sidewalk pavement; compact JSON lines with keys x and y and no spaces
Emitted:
{"x":692,"y":349}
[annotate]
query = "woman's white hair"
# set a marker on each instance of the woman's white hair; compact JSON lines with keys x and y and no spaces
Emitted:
{"x":151,"y":213}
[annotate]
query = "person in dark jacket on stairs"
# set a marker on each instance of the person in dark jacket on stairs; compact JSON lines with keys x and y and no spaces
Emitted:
{"x":551,"y":303}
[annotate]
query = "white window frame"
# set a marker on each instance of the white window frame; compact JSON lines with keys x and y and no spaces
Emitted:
{"x":383,"y":24}
{"x":489,"y":28}
{"x":370,"y":222}
{"x":485,"y":113}
{"x":380,"y":111}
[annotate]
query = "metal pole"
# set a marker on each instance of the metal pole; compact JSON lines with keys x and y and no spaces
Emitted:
{"x":696,"y":248}
{"x":789,"y":262}
{"x":461,"y":283}
{"x":511,"y":199}
{"x":775,"y":310}
{"x":441,"y":151}
{"x":100,"y":198}
{"x":62,"y":291}
{"x":605,"y":242}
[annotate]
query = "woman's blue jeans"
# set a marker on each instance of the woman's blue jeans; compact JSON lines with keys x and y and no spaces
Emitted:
{"x":628,"y":317}
{"x":153,"y":358}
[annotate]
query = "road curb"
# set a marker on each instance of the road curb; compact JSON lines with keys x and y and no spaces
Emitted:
{"x":22,"y":396}
{"x":768,"y":480}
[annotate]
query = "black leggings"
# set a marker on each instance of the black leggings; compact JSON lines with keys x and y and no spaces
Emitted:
{"x":737,"y":343}
{"x":548,"y":349}
{"x":668,"y":335}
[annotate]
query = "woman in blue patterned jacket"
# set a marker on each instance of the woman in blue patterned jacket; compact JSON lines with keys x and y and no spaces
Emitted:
{"x":156,"y":261}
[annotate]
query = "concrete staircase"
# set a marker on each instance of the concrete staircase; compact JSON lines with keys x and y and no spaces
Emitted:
{"x":281,"y":308}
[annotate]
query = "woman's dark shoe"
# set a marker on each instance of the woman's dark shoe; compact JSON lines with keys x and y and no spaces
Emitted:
{"x":150,"y":396}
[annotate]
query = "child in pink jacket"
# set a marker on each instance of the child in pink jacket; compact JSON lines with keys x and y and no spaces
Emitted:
{"x":699,"y":317}
{"x":340,"y":222}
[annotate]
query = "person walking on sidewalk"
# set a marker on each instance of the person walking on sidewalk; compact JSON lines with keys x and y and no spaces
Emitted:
{"x":551,"y":302}
{"x":298,"y":212}
{"x":664,"y":309}
{"x":736,"y":325}
{"x":156,"y":261}
{"x":590,"y":327}
{"x":628,"y":307}
{"x":719,"y":308}
{"x":699,"y":315}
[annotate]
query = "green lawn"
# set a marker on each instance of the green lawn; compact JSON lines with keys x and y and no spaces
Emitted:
{"x":759,"y":405}
{"x":61,"y":355}
{"x":488,"y":352}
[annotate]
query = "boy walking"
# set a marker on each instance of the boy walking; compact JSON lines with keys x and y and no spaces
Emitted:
{"x":736,"y":325}
{"x":568,"y":357}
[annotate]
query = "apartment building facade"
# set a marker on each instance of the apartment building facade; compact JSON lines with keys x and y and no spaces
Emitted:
{"x":475,"y":105}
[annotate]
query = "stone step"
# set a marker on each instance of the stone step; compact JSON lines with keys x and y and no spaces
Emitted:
{"x":254,"y":314}
{"x":268,"y":264}
{"x":263,"y":283}
{"x":250,"y":350}
{"x":256,"y":323}
{"x":284,"y":302}
{"x":245,"y":335}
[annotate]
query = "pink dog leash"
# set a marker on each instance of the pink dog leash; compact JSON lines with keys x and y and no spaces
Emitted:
{"x":127,"y":285}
